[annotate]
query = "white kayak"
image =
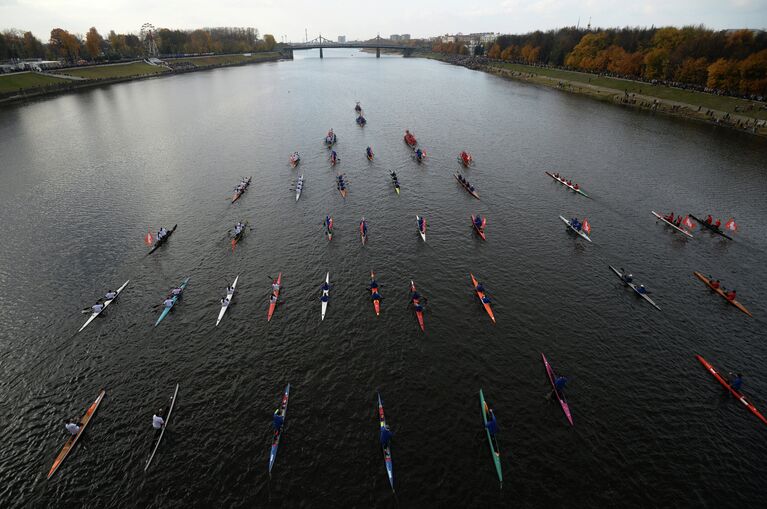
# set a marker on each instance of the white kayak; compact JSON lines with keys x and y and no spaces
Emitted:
{"x":671,"y":224}
{"x":162,"y":431}
{"x":325,"y":293}
{"x":228,"y":301}
{"x":299,"y":187}
{"x":634,"y":287}
{"x":582,"y":234}
{"x":106,"y":303}
{"x":422,"y":232}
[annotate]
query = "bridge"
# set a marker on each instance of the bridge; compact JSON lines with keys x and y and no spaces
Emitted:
{"x":321,"y":43}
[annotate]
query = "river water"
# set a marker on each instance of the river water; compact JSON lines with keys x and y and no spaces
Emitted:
{"x":85,"y":175}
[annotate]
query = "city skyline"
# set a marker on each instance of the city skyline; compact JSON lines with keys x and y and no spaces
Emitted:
{"x":506,"y":16}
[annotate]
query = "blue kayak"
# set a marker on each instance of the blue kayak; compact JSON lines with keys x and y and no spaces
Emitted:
{"x":175,"y":299}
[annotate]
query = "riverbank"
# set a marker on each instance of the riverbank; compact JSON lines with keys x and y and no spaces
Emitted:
{"x":732,"y":112}
{"x":19,"y":87}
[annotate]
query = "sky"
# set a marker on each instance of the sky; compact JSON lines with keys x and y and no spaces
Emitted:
{"x":363,"y":19}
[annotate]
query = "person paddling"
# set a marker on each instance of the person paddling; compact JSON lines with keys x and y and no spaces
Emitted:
{"x":559,"y":385}
{"x":627,"y":278}
{"x":157,"y":419}
{"x":71,"y":427}
{"x":278,"y":420}
{"x":730,"y":295}
{"x":96,"y":308}
{"x":110,"y":295}
{"x":386,"y":435}
{"x":492,"y":423}
{"x":168,"y":303}
{"x":736,"y":382}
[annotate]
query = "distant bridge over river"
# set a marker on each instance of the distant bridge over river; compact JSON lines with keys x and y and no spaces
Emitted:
{"x":322,"y":43}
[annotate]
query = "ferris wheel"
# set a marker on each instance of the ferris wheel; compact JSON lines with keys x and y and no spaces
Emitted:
{"x":148,"y":37}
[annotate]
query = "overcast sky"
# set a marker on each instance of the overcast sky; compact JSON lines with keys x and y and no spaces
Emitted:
{"x":362,"y":19}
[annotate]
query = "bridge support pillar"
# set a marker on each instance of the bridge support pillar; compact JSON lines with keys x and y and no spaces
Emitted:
{"x":320,"y":52}
{"x":378,"y":52}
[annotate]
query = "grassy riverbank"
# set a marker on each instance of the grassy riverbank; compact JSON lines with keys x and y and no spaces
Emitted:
{"x":26,"y":80}
{"x":111,"y":71}
{"x":218,"y":60}
{"x":733,"y":112}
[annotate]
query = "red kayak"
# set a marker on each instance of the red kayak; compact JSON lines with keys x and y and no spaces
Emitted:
{"x":740,"y":397}
{"x":275,"y":295}
{"x":416,"y":302}
{"x":480,"y":229}
{"x":410,"y":139}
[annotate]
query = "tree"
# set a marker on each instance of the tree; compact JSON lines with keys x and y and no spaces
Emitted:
{"x":495,"y":51}
{"x":586,"y":50}
{"x":93,"y":41}
{"x":269,"y":42}
{"x":692,"y":70}
{"x":65,"y":45}
{"x":724,"y":75}
{"x":753,"y":74}
{"x":656,"y":64}
{"x":33,"y":48}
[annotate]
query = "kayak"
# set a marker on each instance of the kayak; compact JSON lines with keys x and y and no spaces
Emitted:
{"x":387,"y":449}
{"x":294,"y":160}
{"x":283,"y":410}
{"x":422,"y":232}
{"x":239,"y":236}
{"x":418,"y":314}
{"x":582,"y":234}
{"x":299,"y":186}
{"x":712,"y":227}
{"x":376,"y":302}
{"x":228,"y":301}
{"x":237,"y":194}
{"x":162,"y":430}
{"x":735,"y":393}
{"x":370,"y":155}
{"x":721,"y":292}
{"x":329,"y":228}
{"x":495,"y":451}
{"x":634,"y":287}
{"x":395,"y":181}
{"x":466,"y":186}
{"x":410,"y":140}
{"x":564,"y":183}
{"x":481,"y":296}
{"x":106,"y":303}
{"x":466,"y":159}
{"x":331,"y":139}
{"x":70,"y":443}
{"x":163,"y":240}
{"x":361,"y":121}
{"x":339,"y":183}
{"x":276,"y":295}
{"x":363,"y":233}
{"x":325,"y":293}
{"x":174,"y":299}
{"x":560,"y":396}
{"x":669,"y":223}
{"x":479,"y":230}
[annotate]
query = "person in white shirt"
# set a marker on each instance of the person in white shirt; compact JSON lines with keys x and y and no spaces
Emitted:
{"x":157,"y":421}
{"x":97,"y":308}
{"x":168,"y":303}
{"x":72,"y":428}
{"x":110,"y":295}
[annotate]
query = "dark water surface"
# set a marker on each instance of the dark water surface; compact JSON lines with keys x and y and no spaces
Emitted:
{"x":83,"y":176}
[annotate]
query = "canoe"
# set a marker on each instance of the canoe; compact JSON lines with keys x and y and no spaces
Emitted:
{"x":395,"y":181}
{"x":325,"y":293}
{"x":163,"y":240}
{"x":582,"y":234}
{"x":481,"y":295}
{"x":495,"y":451}
{"x":162,"y":431}
{"x":711,"y":227}
{"x":276,"y":295}
{"x":418,"y":314}
{"x":480,"y":231}
{"x":329,"y":228}
{"x":72,"y":441}
{"x":634,"y":287}
{"x":466,"y":185}
{"x":561,"y":397}
{"x":283,"y":410}
{"x":740,"y":397}
{"x":106,"y":303}
{"x":422,"y":232}
{"x":228,"y":301}
{"x":363,"y":234}
{"x":468,"y":161}
{"x":339,"y":181}
{"x":564,"y":183}
{"x":299,"y":186}
{"x":376,"y":302}
{"x":410,"y":140}
{"x":722,"y":294}
{"x":174,"y":299}
{"x":669,"y":223}
{"x":386,"y":450}
{"x":237,"y":194}
{"x":237,"y":238}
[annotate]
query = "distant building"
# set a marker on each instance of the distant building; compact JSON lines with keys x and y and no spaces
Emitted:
{"x":394,"y":37}
{"x":405,"y":37}
{"x":342,"y":38}
{"x":447,"y":38}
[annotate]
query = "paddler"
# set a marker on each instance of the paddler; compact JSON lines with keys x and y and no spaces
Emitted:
{"x":369,"y":152}
{"x":736,"y":382}
{"x":110,"y":295}
{"x":418,"y":154}
{"x":559,"y":385}
{"x":96,"y":308}
{"x":714,"y":284}
{"x":325,"y":286}
{"x":364,"y":225}
{"x":480,"y":287}
{"x":576,"y":187}
{"x":718,"y":223}
{"x":478,"y":222}
{"x":492,"y":423}
{"x":709,"y":219}
{"x":168,"y":303}
{"x":176,"y":292}
{"x":277,"y":420}
{"x":420,"y":223}
{"x":669,"y":218}
{"x":71,"y":427}
{"x":157,"y":420}
{"x":386,"y":435}
{"x":730,"y":295}
{"x":641,"y":290}
{"x":275,"y":287}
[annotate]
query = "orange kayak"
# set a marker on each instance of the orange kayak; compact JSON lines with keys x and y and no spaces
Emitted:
{"x":376,"y":303}
{"x":721,"y":292}
{"x":275,"y":294}
{"x":481,"y":296}
{"x":73,"y":439}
